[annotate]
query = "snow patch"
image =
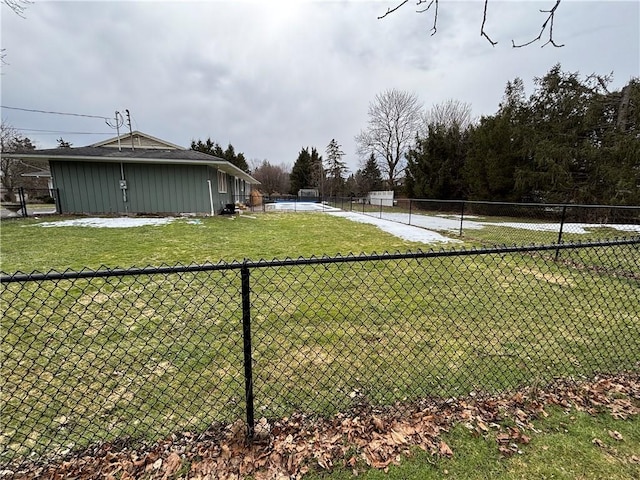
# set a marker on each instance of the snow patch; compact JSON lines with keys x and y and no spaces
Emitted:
{"x":115,"y":222}
{"x":299,"y":207}
{"x":400,"y":230}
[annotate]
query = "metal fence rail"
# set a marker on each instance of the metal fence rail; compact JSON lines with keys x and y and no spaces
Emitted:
{"x":138,"y":354}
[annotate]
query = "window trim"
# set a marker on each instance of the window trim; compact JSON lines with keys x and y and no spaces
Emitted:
{"x":222,"y":182}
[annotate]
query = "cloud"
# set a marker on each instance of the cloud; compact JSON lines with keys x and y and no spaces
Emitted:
{"x":272,"y":77}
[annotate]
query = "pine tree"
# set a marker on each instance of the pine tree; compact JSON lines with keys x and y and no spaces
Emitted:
{"x":62,"y":143}
{"x":335,"y":168}
{"x":301,"y":174}
{"x":435,"y":164}
{"x":371,"y":176}
{"x":213,"y":148}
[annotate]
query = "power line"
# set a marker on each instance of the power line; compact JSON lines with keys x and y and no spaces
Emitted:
{"x":55,"y":113}
{"x":61,"y":131}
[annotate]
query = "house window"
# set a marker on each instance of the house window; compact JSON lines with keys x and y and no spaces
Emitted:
{"x":222,"y":182}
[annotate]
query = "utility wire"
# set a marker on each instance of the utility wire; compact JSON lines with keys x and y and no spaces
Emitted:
{"x":61,"y":131}
{"x":54,"y":113}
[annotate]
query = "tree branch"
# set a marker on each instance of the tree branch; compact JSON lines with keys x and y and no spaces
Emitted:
{"x":391,"y":10}
{"x":549,"y":22}
{"x":434,"y":29}
{"x":18,"y":6}
{"x":484,"y":19}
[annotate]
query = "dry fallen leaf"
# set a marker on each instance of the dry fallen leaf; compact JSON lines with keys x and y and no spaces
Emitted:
{"x":378,"y":423}
{"x":292,"y":444}
{"x":615,"y":434}
{"x":445,"y":450}
{"x":172,"y":464}
{"x":482,"y":426}
{"x":398,"y":438}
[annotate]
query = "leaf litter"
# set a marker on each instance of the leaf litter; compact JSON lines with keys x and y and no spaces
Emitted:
{"x":364,"y":437}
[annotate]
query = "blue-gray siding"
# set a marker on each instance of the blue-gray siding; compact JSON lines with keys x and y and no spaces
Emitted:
{"x":94,"y":187}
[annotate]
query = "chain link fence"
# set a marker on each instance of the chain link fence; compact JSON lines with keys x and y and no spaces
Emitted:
{"x":26,"y":201}
{"x":492,"y":223}
{"x":135,"y":355}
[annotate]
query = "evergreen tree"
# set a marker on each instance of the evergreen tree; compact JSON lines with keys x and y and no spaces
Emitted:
{"x":369,"y":177}
{"x":566,"y":133}
{"x":572,"y":140}
{"x":351,"y":185}
{"x":317,"y":170}
{"x":213,"y":148}
{"x":301,"y":175}
{"x":435,"y":164}
{"x":335,"y":169}
{"x":209,"y":147}
{"x":62,"y":143}
{"x":495,"y":153}
{"x":238,"y":160}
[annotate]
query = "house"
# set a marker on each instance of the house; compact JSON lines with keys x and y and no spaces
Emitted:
{"x":141,"y":174}
{"x":41,"y":179}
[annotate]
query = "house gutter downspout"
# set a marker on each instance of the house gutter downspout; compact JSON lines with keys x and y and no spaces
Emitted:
{"x":211,"y":198}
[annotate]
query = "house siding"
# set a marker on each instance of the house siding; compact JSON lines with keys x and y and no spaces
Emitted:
{"x":167,"y":188}
{"x":88,"y":187}
{"x":94,"y":187}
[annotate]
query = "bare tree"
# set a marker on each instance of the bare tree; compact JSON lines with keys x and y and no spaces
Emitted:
{"x":12,"y":141}
{"x":449,"y":113}
{"x":18,"y":6}
{"x":548,"y":23}
{"x":394,"y":120}
{"x":274,"y":178}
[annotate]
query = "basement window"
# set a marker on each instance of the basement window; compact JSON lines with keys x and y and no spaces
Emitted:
{"x":222,"y":182}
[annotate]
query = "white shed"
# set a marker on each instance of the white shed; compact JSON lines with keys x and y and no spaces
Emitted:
{"x":381,"y":197}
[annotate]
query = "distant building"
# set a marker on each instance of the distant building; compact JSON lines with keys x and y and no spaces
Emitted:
{"x":308,"y":193}
{"x":382,"y":197}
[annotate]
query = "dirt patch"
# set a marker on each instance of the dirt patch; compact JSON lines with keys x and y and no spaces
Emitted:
{"x":546,"y":276}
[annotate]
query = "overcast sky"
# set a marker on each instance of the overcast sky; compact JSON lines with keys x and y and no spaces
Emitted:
{"x":273,"y":76}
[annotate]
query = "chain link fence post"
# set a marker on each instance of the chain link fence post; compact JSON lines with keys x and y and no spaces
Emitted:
{"x":23,"y":202}
{"x":461,"y":217}
{"x":562,"y":219}
{"x":246,"y":337}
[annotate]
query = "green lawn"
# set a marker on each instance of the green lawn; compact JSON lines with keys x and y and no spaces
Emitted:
{"x":562,"y":448}
{"x":26,"y":247}
{"x":141,"y":357}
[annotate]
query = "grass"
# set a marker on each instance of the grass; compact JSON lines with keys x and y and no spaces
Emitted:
{"x":27,"y":247}
{"x":142,"y":357}
{"x":563,"y":449}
